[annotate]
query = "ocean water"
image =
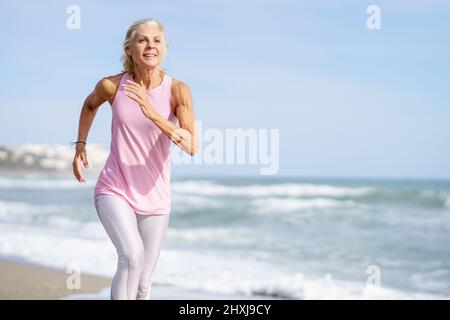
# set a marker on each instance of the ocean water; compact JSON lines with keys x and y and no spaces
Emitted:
{"x":289,"y":238}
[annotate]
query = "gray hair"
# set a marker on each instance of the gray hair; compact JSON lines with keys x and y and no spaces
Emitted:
{"x":127,"y":62}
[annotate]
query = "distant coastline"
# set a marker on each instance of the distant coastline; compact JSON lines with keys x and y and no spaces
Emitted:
{"x":51,"y":158}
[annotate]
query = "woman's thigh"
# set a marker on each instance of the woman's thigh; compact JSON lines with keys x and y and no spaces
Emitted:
{"x":120,"y":223}
{"x":153,"y":229}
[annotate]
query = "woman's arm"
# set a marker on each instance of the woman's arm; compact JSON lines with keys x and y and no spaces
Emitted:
{"x":103,"y":91}
{"x":185,"y":136}
{"x":90,"y":107}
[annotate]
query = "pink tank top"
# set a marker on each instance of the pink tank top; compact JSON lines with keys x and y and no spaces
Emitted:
{"x":138,"y":165}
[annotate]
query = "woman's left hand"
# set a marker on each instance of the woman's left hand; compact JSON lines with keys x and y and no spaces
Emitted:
{"x":138,"y":93}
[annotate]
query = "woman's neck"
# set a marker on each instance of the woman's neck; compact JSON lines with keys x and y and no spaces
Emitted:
{"x":149,"y":77}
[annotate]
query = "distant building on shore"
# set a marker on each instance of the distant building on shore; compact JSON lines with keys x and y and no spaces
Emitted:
{"x":46,"y":157}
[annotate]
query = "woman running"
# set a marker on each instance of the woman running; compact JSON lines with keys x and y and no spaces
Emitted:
{"x":132,"y":195}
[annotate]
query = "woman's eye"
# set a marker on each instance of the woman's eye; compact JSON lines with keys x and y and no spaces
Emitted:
{"x":141,"y":40}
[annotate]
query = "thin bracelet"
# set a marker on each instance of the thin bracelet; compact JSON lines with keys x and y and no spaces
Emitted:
{"x":75,"y":142}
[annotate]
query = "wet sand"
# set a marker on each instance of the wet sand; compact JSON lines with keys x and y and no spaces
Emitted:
{"x":20,"y":281}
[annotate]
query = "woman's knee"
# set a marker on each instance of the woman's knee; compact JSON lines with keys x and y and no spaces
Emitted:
{"x":133,"y":260}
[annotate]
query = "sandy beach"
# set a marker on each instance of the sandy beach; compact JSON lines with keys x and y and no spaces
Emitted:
{"x":25,"y":281}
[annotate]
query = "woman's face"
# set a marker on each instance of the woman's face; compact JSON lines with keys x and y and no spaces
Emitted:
{"x":146,"y":46}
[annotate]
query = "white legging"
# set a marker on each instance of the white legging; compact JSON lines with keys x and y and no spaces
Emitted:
{"x":138,"y":239}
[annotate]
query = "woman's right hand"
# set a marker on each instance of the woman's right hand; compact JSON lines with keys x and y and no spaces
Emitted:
{"x":80,"y":157}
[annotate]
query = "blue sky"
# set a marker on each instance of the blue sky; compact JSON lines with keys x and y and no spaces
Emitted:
{"x":348,"y":101}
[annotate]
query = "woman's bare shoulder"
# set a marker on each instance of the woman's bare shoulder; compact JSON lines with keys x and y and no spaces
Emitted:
{"x":175,"y":94}
{"x":176,"y":83}
{"x":179,"y":88}
{"x":107,"y":86}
